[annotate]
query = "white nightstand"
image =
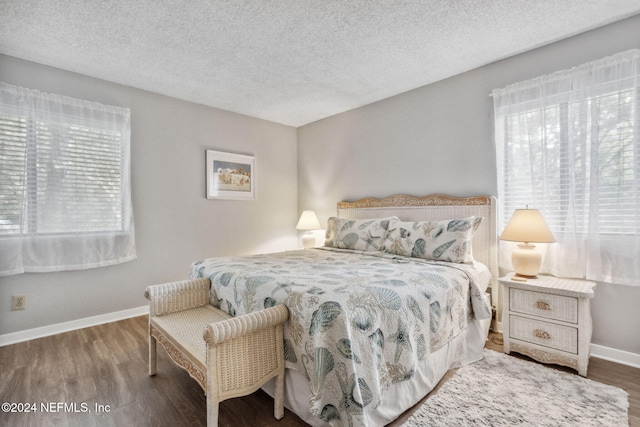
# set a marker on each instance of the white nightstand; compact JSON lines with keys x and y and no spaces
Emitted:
{"x":548,"y":319}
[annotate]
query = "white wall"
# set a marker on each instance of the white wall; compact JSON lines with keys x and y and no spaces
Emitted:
{"x":175,"y":223}
{"x":439,"y":138}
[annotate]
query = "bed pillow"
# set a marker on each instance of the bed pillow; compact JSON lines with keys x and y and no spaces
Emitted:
{"x":357,"y":234}
{"x":447,"y":240}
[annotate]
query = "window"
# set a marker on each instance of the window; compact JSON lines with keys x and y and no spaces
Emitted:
{"x":64,"y":188}
{"x":569,"y":144}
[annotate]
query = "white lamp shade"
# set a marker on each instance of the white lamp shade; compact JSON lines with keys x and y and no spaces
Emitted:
{"x":308,"y":221}
{"x":527,"y":225}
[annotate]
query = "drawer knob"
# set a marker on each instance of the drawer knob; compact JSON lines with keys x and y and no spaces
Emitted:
{"x":539,"y":333}
{"x":542,"y":305}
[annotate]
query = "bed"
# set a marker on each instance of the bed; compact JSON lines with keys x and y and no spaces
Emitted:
{"x":396,"y":297}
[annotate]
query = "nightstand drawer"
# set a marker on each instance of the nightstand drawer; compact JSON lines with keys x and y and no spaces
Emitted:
{"x":546,"y":334}
{"x":545,"y":305}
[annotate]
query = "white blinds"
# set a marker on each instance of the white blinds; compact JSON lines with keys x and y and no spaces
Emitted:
{"x":64,"y":188}
{"x":569,"y":144}
{"x":13,"y":136}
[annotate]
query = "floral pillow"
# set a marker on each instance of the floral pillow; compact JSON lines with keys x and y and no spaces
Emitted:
{"x":448,"y":240}
{"x":357,"y":234}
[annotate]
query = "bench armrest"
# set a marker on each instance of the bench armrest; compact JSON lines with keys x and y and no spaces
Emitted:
{"x":225,"y":330}
{"x":177,"y":296}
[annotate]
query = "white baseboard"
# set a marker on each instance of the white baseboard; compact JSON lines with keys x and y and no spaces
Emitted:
{"x":59,"y":328}
{"x":615,"y":355}
{"x":598,"y":351}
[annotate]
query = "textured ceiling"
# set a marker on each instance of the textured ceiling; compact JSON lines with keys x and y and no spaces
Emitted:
{"x":288,"y":61}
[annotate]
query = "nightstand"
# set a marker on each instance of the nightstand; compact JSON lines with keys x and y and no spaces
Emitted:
{"x":548,"y":319}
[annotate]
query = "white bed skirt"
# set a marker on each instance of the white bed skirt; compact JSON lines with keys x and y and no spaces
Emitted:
{"x":466,"y":348}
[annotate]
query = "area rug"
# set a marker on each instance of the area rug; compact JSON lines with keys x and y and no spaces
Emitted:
{"x":501,"y":390}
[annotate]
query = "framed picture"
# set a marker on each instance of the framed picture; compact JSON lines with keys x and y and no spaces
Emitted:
{"x":230,"y":176}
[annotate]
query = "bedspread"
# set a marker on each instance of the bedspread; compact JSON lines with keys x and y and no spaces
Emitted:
{"x":359,"y":321}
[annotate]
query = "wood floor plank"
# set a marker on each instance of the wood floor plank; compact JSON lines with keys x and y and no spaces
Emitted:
{"x":105,"y":369}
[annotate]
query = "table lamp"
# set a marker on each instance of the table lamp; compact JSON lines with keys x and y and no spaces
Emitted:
{"x":527,"y":226}
{"x":308,"y":221}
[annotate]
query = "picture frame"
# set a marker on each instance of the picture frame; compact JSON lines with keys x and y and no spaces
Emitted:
{"x":230,"y":176}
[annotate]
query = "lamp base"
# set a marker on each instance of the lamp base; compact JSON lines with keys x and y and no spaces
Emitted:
{"x":308,"y":239}
{"x":526,"y":261}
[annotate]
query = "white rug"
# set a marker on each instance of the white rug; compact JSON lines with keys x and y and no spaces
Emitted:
{"x":501,"y":390}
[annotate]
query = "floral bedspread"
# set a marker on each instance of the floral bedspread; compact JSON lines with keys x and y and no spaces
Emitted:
{"x":359,"y":321}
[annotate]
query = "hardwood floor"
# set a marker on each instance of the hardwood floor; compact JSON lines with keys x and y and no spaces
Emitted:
{"x":98,"y":377}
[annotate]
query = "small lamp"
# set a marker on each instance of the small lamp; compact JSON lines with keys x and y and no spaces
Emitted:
{"x":528,"y":226}
{"x":308,"y":221}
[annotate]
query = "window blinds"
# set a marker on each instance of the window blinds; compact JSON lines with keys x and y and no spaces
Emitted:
{"x":13,"y":136}
{"x":64,"y":187}
{"x":583,"y":152}
{"x":569,"y":144}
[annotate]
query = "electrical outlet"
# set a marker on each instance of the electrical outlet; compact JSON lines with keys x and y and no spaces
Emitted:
{"x":18,"y":302}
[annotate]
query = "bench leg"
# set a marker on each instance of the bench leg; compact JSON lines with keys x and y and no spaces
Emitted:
{"x":152,"y":355}
{"x":213,"y":408}
{"x":278,"y":404}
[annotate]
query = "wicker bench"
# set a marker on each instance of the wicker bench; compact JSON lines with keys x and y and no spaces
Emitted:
{"x":228,"y":356}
